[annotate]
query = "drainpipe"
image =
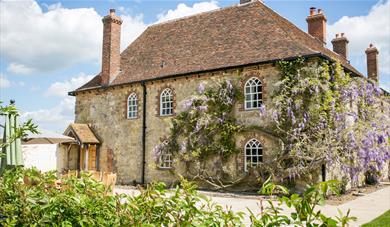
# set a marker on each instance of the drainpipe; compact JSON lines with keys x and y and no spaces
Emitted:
{"x":143,"y":132}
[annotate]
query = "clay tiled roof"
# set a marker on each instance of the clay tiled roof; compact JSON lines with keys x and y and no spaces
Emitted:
{"x":228,"y":37}
{"x":82,"y":132}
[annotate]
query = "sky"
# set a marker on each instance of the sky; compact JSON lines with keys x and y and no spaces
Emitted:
{"x":48,"y":48}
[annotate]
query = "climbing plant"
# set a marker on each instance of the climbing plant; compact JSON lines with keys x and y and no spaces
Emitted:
{"x":205,"y":127}
{"x":321,"y":115}
{"x":326,"y":117}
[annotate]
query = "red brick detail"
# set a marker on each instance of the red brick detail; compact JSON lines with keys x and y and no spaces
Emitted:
{"x":340,"y":45}
{"x":316,"y":25}
{"x":126,"y":104}
{"x":372,"y":63}
{"x":158,"y":104}
{"x":247,"y":76}
{"x":111,"y":47}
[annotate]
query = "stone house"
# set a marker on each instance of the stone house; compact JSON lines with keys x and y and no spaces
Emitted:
{"x":129,"y":105}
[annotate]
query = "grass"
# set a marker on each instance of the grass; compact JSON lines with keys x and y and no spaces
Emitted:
{"x":381,"y":221}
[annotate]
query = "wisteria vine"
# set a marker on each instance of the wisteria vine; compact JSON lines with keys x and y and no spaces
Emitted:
{"x":321,"y":115}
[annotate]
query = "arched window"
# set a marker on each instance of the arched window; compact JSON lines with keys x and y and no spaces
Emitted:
{"x":132,"y":106}
{"x":166,"y":102}
{"x":253,"y":153}
{"x":253,"y":94}
{"x":165,"y":158}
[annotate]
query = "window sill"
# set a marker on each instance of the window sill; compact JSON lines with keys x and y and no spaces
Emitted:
{"x":166,"y":116}
{"x":165,"y":168}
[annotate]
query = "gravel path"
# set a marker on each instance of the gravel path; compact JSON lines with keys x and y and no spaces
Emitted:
{"x":365,"y":208}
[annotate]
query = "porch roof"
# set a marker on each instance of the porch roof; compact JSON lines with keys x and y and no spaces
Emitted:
{"x":82,"y":133}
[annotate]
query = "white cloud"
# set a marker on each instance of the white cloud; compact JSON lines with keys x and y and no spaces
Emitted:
{"x":55,"y":118}
{"x":60,"y":116}
{"x":19,"y":69}
{"x":183,"y":10}
{"x":37,"y":41}
{"x":132,"y":27}
{"x":4,"y":83}
{"x":363,"y":30}
{"x":61,"y":89}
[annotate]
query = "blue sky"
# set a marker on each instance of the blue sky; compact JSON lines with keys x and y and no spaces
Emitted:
{"x":50,"y":47}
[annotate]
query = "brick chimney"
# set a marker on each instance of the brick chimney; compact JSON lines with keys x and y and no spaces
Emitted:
{"x":372,"y":63}
{"x":340,"y":45}
{"x":316,"y":24}
{"x":111,"y":47}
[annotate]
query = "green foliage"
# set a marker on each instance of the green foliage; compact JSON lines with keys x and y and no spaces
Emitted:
{"x":21,"y":131}
{"x":382,"y":220}
{"x":30,"y":198}
{"x":207,"y":125}
{"x":304,"y":207}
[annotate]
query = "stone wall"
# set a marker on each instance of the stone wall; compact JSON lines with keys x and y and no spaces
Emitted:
{"x":105,"y":110}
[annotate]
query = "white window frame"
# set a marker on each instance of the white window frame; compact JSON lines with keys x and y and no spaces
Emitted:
{"x":132,"y":106}
{"x":166,"y":159}
{"x":253,"y":97}
{"x":255,"y":151}
{"x":166,"y":102}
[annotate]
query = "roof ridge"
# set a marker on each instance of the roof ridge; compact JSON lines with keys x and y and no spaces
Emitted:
{"x":290,"y":33}
{"x":201,"y":13}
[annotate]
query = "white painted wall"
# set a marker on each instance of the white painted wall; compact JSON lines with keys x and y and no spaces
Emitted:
{"x":41,"y":156}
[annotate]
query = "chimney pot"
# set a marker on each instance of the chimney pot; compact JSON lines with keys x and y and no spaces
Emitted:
{"x":372,"y":63}
{"x":316,"y":24}
{"x":337,"y":35}
{"x":244,"y":1}
{"x":312,"y":11}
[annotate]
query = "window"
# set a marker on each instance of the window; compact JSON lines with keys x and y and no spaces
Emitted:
{"x":166,"y":102}
{"x":165,"y":158}
{"x":132,"y":106}
{"x":253,"y":153}
{"x":253,"y":94}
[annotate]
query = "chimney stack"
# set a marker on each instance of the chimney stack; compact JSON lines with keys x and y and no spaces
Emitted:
{"x":111,"y":58}
{"x":340,"y":45}
{"x":316,"y":24}
{"x":372,"y":63}
{"x":245,"y":1}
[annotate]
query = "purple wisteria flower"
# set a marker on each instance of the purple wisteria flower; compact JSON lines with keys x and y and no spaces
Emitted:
{"x":262,"y":110}
{"x":186,"y":104}
{"x":202,"y":108}
{"x":201,"y":88}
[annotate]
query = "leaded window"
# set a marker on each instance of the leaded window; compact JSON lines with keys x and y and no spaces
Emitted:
{"x":132,"y":106}
{"x":165,"y":158}
{"x":253,"y":154}
{"x":253,"y":93}
{"x":166,"y":102}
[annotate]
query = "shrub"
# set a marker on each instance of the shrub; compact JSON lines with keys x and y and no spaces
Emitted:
{"x":28,"y":197}
{"x":304,"y":207}
{"x":31,"y":198}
